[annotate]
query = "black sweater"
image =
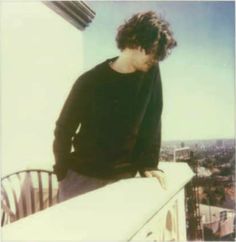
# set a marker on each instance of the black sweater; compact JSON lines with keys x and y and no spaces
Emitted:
{"x":113,"y":122}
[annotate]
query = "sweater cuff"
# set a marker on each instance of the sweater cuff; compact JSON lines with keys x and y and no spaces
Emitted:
{"x":60,"y":170}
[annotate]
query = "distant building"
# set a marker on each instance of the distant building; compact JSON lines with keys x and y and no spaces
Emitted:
{"x":203,"y":172}
{"x":220,"y":143}
{"x":182,"y":154}
{"x":202,"y":147}
{"x":218,"y":222}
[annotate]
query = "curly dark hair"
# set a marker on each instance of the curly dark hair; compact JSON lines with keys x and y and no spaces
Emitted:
{"x":149,"y":31}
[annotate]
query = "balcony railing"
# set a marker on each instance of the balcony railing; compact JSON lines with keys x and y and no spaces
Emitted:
{"x":128,"y":210}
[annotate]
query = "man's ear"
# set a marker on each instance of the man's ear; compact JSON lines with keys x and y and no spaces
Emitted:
{"x":141,"y":49}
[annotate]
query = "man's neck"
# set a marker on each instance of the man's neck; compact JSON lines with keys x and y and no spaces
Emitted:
{"x":123,"y":63}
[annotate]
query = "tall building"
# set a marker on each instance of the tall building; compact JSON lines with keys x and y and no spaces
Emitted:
{"x":220,"y":143}
{"x":193,"y":219}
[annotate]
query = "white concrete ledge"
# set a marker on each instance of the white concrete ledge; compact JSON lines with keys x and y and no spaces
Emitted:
{"x":115,"y":212}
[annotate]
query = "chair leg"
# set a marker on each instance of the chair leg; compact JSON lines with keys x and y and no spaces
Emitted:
{"x":3,"y":219}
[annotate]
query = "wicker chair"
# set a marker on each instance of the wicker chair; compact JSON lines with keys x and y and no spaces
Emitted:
{"x":26,"y":192}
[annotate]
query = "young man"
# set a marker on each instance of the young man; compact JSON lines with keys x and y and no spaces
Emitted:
{"x":112,"y":116}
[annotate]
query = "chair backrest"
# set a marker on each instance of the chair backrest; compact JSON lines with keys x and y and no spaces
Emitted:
{"x":26,"y":192}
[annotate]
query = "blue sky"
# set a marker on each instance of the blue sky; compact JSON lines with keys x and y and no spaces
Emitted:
{"x":198,"y":77}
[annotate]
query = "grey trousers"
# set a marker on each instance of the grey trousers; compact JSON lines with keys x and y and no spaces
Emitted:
{"x":75,"y":184}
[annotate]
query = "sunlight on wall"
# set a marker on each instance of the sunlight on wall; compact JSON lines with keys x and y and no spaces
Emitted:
{"x":42,"y":56}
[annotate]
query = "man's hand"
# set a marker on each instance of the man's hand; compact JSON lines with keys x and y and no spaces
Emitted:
{"x":159,"y":175}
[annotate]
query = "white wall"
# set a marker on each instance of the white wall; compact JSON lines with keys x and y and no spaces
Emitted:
{"x":41,"y":57}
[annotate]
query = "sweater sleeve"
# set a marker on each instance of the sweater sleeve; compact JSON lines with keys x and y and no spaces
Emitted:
{"x":71,"y":116}
{"x":147,"y":147}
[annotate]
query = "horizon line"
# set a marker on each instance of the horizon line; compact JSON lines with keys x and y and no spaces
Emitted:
{"x":195,"y":139}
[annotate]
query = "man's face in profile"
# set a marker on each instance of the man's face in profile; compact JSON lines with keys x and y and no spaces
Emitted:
{"x":143,"y":61}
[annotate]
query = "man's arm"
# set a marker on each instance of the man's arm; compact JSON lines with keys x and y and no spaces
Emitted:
{"x":147,"y":148}
{"x":70,"y":117}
